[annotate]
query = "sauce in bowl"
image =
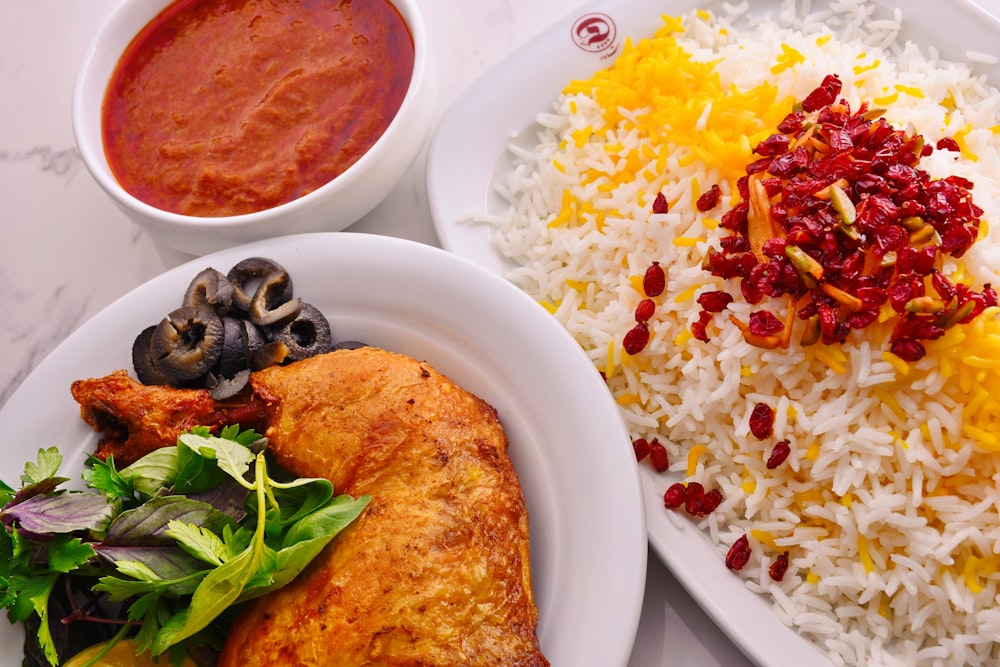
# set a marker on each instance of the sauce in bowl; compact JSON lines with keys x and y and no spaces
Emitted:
{"x":223,"y":108}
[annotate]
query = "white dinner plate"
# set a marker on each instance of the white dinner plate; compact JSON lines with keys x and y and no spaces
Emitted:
{"x":468,"y":155}
{"x":569,"y":446}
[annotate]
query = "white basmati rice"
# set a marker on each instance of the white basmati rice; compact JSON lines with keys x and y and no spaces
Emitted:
{"x":887,"y":505}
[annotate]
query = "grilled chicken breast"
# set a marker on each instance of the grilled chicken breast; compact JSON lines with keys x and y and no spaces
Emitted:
{"x":436,"y":571}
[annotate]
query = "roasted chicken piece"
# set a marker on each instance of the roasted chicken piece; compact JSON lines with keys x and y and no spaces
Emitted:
{"x":134,"y":419}
{"x":436,"y":571}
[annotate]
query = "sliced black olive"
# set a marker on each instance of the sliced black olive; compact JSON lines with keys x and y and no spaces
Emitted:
{"x":223,"y":387}
{"x":142,"y":359}
{"x":187,"y":343}
{"x":248,"y":273}
{"x":256,"y":337}
{"x":349,"y":345}
{"x":212,"y":289}
{"x":307,"y":335}
{"x":270,"y":305}
{"x":235,"y":355}
{"x":272,"y":354}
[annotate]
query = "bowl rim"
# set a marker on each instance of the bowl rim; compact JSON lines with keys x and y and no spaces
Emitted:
{"x":99,"y":63}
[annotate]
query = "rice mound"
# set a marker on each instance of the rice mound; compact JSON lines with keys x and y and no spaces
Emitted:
{"x":888,"y":505}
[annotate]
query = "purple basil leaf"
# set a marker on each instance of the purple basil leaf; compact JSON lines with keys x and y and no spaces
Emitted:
{"x":146,"y":525}
{"x":47,"y":485}
{"x":229,"y":497}
{"x":167,"y":562}
{"x":61,"y":513}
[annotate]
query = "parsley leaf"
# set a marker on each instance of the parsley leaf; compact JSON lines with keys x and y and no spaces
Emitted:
{"x":47,"y":465}
{"x":68,"y":553}
{"x":104,"y":477}
{"x":198,"y":541}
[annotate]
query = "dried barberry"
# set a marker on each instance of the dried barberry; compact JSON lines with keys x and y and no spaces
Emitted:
{"x":699,"y":329}
{"x":709,"y":199}
{"x":658,"y":456}
{"x":776,"y":144}
{"x":711,"y":502}
{"x":636,"y":339}
{"x":660,"y":203}
{"x":779,"y":453}
{"x":764,"y":323}
{"x":735,"y":219}
{"x":907,"y":349}
{"x":989,"y":295}
{"x":645,"y":310}
{"x":779,"y":567}
{"x":739,"y":554}
{"x":694,"y":498}
{"x":715,"y":301}
{"x":654,"y":280}
{"x":674,"y":496}
{"x":947,"y":144}
{"x":762,"y":421}
{"x":793,"y":122}
{"x":641,"y":448}
{"x":824,"y":95}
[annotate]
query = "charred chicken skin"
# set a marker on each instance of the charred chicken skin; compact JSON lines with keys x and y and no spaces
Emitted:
{"x":436,"y":571}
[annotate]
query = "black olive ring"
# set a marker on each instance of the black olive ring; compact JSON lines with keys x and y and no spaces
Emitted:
{"x":229,"y":325}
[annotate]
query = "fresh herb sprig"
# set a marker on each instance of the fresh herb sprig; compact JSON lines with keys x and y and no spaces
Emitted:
{"x":173,"y":541}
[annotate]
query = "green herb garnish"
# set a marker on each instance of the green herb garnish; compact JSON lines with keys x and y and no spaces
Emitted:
{"x":173,"y":541}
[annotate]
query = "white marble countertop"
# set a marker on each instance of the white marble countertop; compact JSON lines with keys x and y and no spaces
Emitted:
{"x":66,"y":252}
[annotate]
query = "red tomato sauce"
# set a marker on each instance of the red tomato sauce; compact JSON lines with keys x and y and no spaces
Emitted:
{"x":228,"y":107}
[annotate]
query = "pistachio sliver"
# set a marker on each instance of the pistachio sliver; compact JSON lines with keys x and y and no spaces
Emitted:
{"x":843,"y":205}
{"x":922,"y":235}
{"x":950,"y":318}
{"x":924,"y":305}
{"x":874,"y":113}
{"x":811,"y":331}
{"x":804,"y":263}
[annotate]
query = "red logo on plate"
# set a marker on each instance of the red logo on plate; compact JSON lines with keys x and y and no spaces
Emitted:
{"x":594,"y":32}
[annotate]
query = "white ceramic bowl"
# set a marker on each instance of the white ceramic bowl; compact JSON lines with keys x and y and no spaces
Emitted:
{"x":331,"y":207}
